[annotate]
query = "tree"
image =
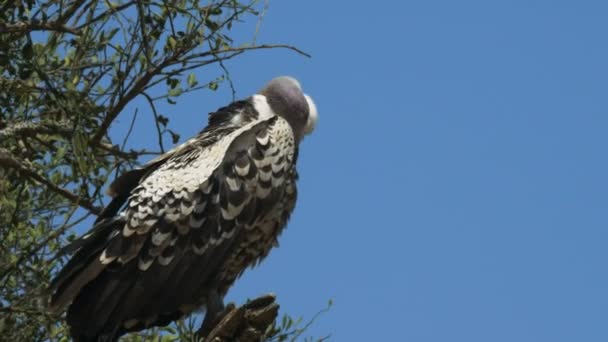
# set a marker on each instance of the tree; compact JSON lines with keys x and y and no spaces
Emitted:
{"x":68,"y":70}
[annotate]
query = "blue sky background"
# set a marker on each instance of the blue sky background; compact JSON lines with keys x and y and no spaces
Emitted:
{"x":456,"y":186}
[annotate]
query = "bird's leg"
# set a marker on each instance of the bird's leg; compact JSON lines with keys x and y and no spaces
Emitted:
{"x":215,"y":309}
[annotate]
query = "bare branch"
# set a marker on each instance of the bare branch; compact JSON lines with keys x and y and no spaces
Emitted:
{"x":252,"y":47}
{"x":124,"y":141}
{"x":159,"y":133}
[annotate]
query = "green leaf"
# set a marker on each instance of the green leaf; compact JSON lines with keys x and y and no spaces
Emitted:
{"x":173,"y":82}
{"x":175,"y":92}
{"x":113,"y":33}
{"x":172,"y":42}
{"x":174,"y":136}
{"x":163,"y":120}
{"x":192,"y":82}
{"x":80,"y":148}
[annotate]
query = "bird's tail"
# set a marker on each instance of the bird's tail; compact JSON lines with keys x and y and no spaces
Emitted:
{"x":84,"y":265}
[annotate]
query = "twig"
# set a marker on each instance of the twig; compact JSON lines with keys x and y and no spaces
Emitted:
{"x":65,"y":16}
{"x":16,"y":310}
{"x":228,"y":54}
{"x":24,"y":27}
{"x":144,"y":35}
{"x":122,"y":102}
{"x":252,"y":47}
{"x":116,"y":152}
{"x":8,"y":161}
{"x":258,"y":25}
{"x":124,"y":141}
{"x":108,"y":13}
{"x":34,"y":249}
{"x":158,"y":130}
{"x":227,"y":74}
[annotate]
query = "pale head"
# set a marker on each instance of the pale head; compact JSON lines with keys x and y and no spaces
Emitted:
{"x":286,"y":98}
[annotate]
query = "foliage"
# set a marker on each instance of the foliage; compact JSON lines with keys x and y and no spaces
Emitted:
{"x":290,"y":329}
{"x":68,"y":70}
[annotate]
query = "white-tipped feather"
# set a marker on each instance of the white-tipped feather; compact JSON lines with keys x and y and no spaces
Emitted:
{"x":105,"y":259}
{"x":165,"y":261}
{"x":144,"y":265}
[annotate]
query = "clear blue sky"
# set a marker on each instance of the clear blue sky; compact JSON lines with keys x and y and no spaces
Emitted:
{"x":456,"y":188}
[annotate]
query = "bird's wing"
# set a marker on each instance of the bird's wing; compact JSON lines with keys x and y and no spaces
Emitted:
{"x":179,"y":222}
{"x":121,"y":188}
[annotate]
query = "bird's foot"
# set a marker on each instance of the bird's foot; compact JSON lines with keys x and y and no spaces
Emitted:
{"x":211,"y":320}
{"x":216,"y":311}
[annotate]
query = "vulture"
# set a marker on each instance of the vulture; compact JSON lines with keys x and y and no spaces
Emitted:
{"x":182,"y":228}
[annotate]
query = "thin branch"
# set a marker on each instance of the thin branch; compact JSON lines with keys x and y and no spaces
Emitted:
{"x":228,"y":78}
{"x":117,"y":152}
{"x":258,"y":25}
{"x":113,"y":111}
{"x":228,"y":54}
{"x":142,"y":26}
{"x":17,"y":310}
{"x":113,"y":10}
{"x":8,"y":161}
{"x":36,"y":248}
{"x":142,"y":83}
{"x":65,"y":16}
{"x":159,"y":132}
{"x":124,"y":141}
{"x":252,"y":47}
{"x":25,"y":27}
{"x":34,"y":128}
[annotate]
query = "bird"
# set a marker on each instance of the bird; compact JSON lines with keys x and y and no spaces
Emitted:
{"x":181,"y":229}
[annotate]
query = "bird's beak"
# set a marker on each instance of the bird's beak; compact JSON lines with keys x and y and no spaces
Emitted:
{"x":312,"y":115}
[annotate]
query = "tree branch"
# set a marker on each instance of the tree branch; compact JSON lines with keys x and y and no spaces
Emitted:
{"x":24,"y":27}
{"x":113,"y":10}
{"x":33,"y":128}
{"x":65,"y":16}
{"x":247,"y":323}
{"x":8,"y":161}
{"x":142,"y":83}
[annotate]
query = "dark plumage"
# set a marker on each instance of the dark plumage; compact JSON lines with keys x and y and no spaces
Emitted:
{"x":192,"y":220}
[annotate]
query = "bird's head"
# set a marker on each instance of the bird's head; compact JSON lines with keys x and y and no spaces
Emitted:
{"x":286,"y":98}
